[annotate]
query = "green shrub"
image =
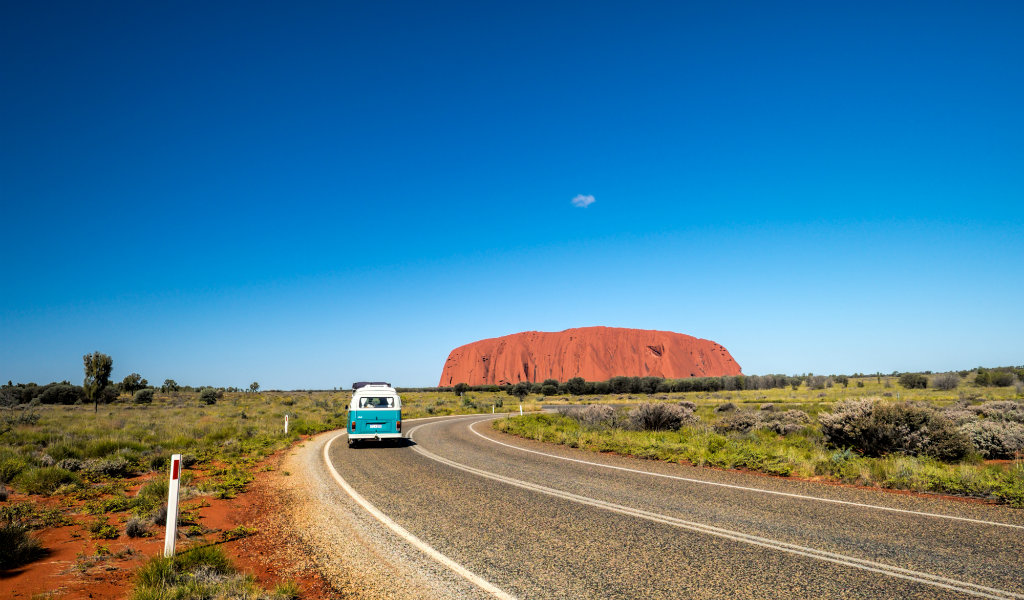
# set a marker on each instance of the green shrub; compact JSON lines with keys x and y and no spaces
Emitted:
{"x":995,"y":439}
{"x":17,"y":545}
{"x":101,"y":530}
{"x":11,"y":464}
{"x":45,"y":480}
{"x":144,"y":396}
{"x":1001,"y":410}
{"x":651,"y":416}
{"x":946,"y":381}
{"x":208,"y":396}
{"x":913,"y":381}
{"x":785,"y":422}
{"x":740,"y":422}
{"x":110,"y":467}
{"x":875,"y":428}
{"x":591,"y":416}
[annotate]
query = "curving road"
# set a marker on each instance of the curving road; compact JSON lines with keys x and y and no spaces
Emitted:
{"x":460,"y":510}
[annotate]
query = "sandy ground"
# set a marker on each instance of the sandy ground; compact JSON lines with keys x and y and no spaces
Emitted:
{"x":77,"y":567}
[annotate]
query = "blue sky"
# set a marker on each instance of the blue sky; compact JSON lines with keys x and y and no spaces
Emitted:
{"x":312,"y":195}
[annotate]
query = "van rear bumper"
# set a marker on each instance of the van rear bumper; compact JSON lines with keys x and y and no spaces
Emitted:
{"x":370,"y":436}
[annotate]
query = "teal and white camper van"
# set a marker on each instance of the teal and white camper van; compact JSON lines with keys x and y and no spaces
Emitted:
{"x":375,"y":412}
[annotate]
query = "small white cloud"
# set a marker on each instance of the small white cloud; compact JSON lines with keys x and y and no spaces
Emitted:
{"x":582,"y":201}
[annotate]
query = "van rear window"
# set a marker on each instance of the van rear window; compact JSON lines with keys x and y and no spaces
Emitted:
{"x":377,"y":402}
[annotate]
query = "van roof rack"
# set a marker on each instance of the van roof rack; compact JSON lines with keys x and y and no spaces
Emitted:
{"x":359,"y":384}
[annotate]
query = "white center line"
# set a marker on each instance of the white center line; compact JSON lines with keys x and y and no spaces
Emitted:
{"x":403,"y":533}
{"x":965,"y":587}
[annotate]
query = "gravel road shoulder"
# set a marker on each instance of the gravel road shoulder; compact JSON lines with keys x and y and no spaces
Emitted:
{"x":357,"y":555}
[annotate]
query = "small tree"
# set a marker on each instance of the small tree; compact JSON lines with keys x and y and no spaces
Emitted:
{"x":460,"y":388}
{"x":520,"y":390}
{"x":97,"y":375}
{"x":576,"y":386}
{"x":208,"y":396}
{"x":169,"y":385}
{"x":133,"y":383}
{"x":254,"y":387}
{"x":946,"y":381}
{"x":913,"y":381}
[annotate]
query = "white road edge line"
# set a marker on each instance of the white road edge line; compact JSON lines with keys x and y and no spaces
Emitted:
{"x":747,"y":489}
{"x":965,"y":587}
{"x":403,"y":533}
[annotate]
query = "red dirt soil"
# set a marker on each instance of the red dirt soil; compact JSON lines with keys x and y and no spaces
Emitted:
{"x":77,"y":568}
{"x":593,"y":353}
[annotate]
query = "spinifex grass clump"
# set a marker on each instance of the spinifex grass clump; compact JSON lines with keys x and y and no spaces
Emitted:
{"x":203,"y":572}
{"x":17,"y":545}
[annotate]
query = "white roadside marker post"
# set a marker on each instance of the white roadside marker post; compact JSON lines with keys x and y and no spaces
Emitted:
{"x":172,"y":506}
{"x":492,"y":409}
{"x":520,"y":410}
{"x":286,"y":424}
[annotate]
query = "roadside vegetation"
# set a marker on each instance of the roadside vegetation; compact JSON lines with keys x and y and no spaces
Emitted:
{"x":202,"y":572}
{"x":94,"y":458}
{"x":963,"y":439}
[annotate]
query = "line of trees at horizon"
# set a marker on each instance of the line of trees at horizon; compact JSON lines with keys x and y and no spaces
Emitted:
{"x":98,"y":389}
{"x":995,"y":376}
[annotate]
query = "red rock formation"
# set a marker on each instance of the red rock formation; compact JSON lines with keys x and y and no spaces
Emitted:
{"x":593,"y":353}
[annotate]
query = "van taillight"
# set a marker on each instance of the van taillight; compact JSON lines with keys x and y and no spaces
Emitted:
{"x":353,"y":425}
{"x":399,"y":425}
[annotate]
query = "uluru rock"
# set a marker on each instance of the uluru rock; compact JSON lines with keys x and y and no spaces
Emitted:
{"x":593,"y":353}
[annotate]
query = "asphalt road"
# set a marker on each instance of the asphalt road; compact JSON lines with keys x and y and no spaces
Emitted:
{"x":528,"y":520}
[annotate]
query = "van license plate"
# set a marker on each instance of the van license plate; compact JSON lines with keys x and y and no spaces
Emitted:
{"x":376,"y":426}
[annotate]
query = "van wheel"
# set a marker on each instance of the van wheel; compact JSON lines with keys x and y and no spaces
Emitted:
{"x":351,"y":443}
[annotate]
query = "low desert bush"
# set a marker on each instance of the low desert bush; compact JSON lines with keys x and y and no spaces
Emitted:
{"x":159,"y":515}
{"x":1001,"y":410}
{"x":592,"y":415}
{"x":690,"y":406}
{"x":785,"y":422}
{"x":203,"y":572}
{"x":45,"y":480}
{"x":111,"y":467}
{"x":3,"y":493}
{"x":144,"y":396}
{"x":11,"y":465}
{"x":660,"y":417}
{"x":17,"y":545}
{"x":208,"y":396}
{"x":768,"y":407}
{"x":101,"y":530}
{"x":136,"y":527}
{"x":875,"y":428}
{"x":725,"y":407}
{"x":913,"y":381}
{"x":946,"y":381}
{"x":71,"y":464}
{"x":782,"y":423}
{"x":995,"y":439}
{"x":959,"y":416}
{"x":739,"y":422}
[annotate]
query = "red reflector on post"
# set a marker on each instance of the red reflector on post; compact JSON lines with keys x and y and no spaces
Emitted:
{"x":174,"y":469}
